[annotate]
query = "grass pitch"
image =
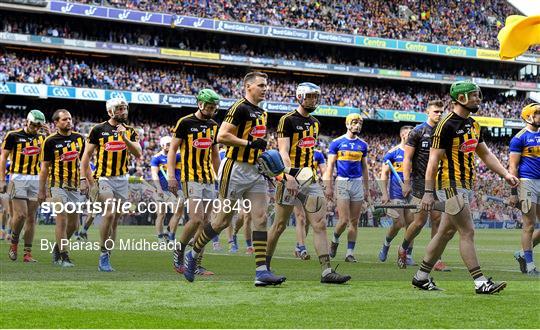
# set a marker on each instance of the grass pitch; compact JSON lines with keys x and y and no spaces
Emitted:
{"x":145,"y":292}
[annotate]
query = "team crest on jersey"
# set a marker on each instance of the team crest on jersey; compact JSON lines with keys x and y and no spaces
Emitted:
{"x":115,"y":146}
{"x":468,"y":146}
{"x":69,"y":156}
{"x":258,"y":131}
{"x":202,"y":143}
{"x":307,"y":142}
{"x":31,"y":151}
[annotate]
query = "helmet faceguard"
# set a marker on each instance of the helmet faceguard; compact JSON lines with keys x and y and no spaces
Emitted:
{"x":118,"y":109}
{"x":303,"y":91}
{"x":465,"y":88}
{"x":529,"y":111}
{"x":207,"y":97}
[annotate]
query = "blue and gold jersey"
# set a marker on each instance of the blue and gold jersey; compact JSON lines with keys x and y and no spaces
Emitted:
{"x":395,"y":157}
{"x":349,"y":154}
{"x":527,"y":144}
{"x":160,"y":160}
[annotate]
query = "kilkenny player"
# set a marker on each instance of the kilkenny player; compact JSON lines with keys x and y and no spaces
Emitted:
{"x":243,"y":132}
{"x":525,"y":164}
{"x":23,"y":147}
{"x":60,"y":169}
{"x":114,"y":142}
{"x":414,"y":169}
{"x":300,"y":251}
{"x":195,"y":135}
{"x":393,"y":192}
{"x":158,"y":170}
{"x":298,"y":132}
{"x":451,"y":166}
{"x":349,"y":154}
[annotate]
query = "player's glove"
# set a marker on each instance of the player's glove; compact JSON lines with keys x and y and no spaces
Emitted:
{"x":270,"y":163}
{"x":257,"y":144}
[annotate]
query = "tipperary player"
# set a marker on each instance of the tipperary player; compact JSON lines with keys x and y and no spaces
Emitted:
{"x":525,"y":164}
{"x":348,"y":154}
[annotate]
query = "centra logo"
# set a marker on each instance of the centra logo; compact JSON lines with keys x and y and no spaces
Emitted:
{"x":202,"y":143}
{"x":31,"y":151}
{"x":69,"y":156}
{"x":258,"y":131}
{"x":115,"y":146}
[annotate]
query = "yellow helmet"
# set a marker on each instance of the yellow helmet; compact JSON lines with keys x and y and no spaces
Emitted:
{"x":352,"y":116}
{"x":528,"y":112}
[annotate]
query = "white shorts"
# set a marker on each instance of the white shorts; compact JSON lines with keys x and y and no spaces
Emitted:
{"x":466,"y":193}
{"x":530,"y":189}
{"x":116,"y":185}
{"x":351,"y":189}
{"x":237,"y":178}
{"x":196,"y":190}
{"x":284,"y":198}
{"x":24,"y":186}
{"x":71,"y":196}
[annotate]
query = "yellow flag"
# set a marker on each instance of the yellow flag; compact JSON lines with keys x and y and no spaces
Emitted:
{"x":518,"y":34}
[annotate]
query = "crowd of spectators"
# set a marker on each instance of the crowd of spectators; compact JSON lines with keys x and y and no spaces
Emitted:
{"x":471,"y":23}
{"x":367,"y":95}
{"x":151,"y":36}
{"x":488,"y":185}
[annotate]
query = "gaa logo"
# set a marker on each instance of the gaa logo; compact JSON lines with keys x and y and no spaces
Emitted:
{"x":307,"y":142}
{"x":115,"y":146}
{"x":31,"y":151}
{"x":69,"y":156}
{"x":468,"y":146}
{"x":258,"y":131}
{"x":202,"y":143}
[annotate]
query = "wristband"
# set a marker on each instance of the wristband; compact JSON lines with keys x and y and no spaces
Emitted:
{"x":82,"y":179}
{"x":514,"y":191}
{"x":429,"y":191}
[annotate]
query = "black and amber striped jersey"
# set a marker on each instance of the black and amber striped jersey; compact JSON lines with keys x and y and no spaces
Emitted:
{"x":24,"y":151}
{"x":112,"y":154}
{"x":250,"y":122}
{"x":64,"y":152}
{"x":198,"y":136}
{"x":459,"y":137}
{"x":303,"y":133}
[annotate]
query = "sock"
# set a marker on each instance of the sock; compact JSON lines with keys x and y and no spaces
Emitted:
{"x":76,"y":234}
{"x":199,"y":259}
{"x":235,"y":240}
{"x":207,"y":233}
{"x":103,"y":250}
{"x":172,"y":236}
{"x":15,"y":238}
{"x":528,"y":255}
{"x":63,"y":255}
{"x":9,"y":231}
{"x":423,"y":272}
{"x":249,"y":243}
{"x":168,"y":229}
{"x":215,"y":239}
{"x":259,"y":243}
{"x":336,"y":237}
{"x":405,"y":245}
{"x":85,"y":228}
{"x":324,"y":260}
{"x":3,"y":227}
{"x":350,"y":247}
{"x":268,"y":261}
{"x":388,"y":240}
{"x":477,"y":276}
{"x":409,"y":251}
{"x":297,"y":248}
{"x":160,"y":235}
{"x":27,"y":248}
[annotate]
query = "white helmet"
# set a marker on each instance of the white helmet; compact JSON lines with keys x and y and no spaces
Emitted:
{"x":308,"y":88}
{"x":113,"y":104}
{"x":164,"y":141}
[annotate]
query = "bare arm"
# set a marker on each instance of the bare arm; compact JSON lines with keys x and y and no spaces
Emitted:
{"x":329,"y":172}
{"x":407,"y":162}
{"x":513,"y":163}
{"x":134,"y":148}
{"x":171,"y":158}
{"x":43,"y":176}
{"x":154,"y":171}
{"x":86,"y":171}
{"x":385,"y":174}
{"x":3,"y":161}
{"x":215,"y":158}
{"x":435,"y":155}
{"x":322,"y":168}
{"x":365,"y":176}
{"x":227,"y":136}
